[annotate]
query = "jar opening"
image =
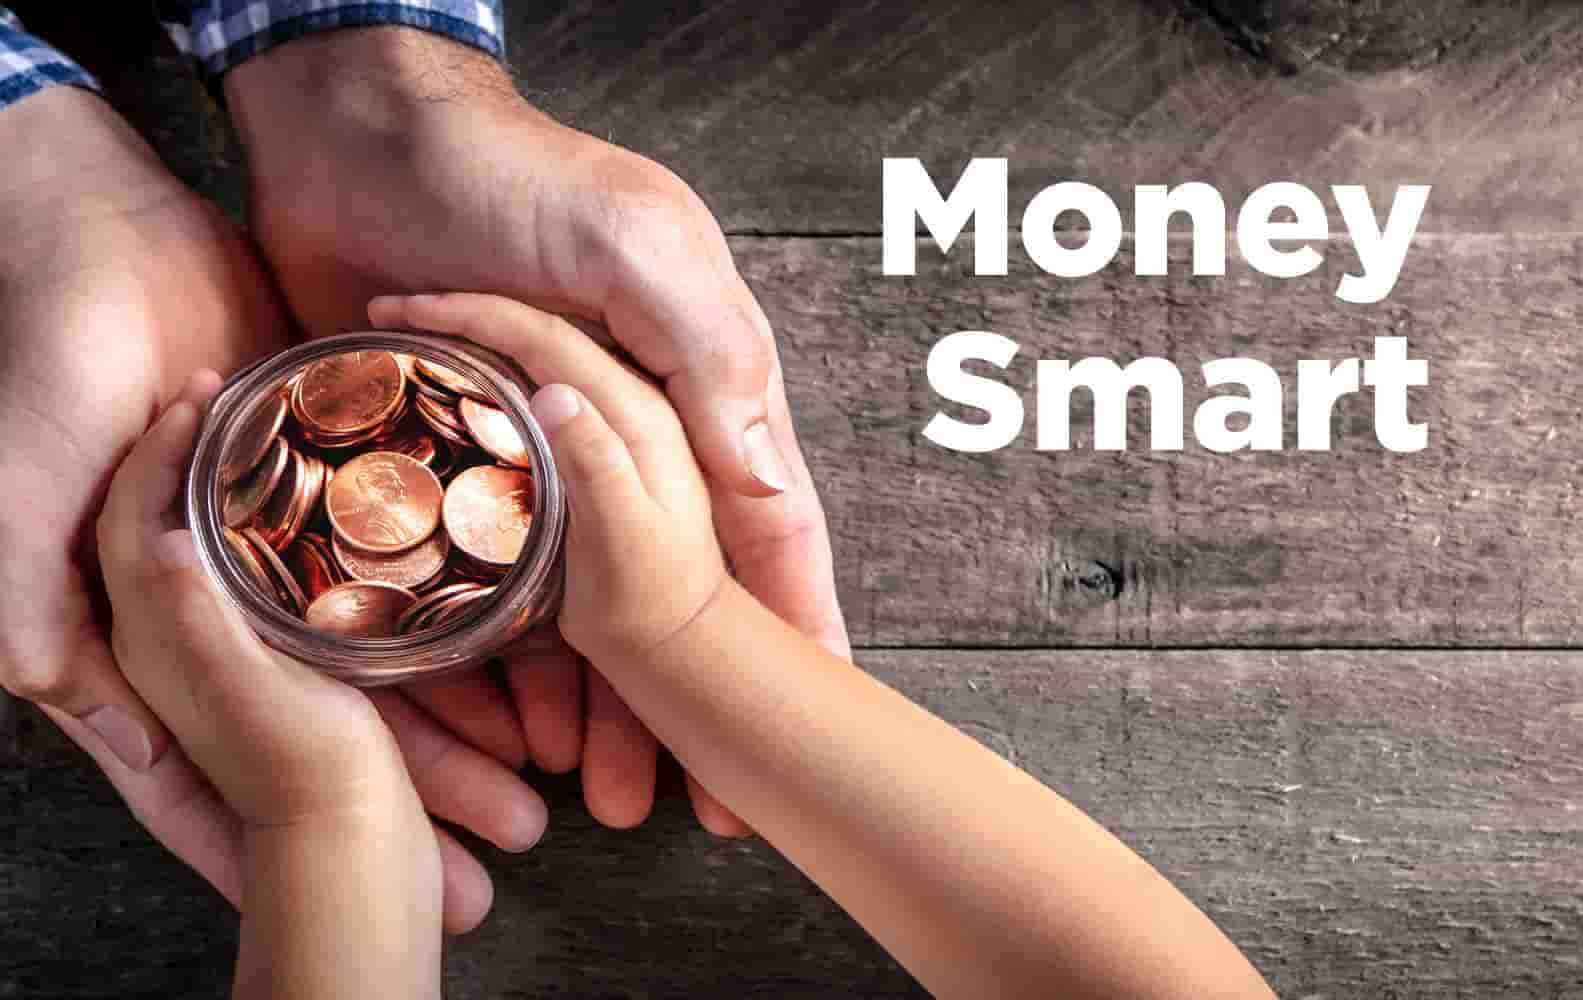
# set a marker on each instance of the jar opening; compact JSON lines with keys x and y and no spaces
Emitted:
{"x":381,"y":505}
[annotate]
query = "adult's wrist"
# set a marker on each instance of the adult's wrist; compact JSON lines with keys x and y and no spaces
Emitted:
{"x":71,"y":160}
{"x":386,"y":79}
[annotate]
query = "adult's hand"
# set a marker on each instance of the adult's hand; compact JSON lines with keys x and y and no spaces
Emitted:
{"x":387,"y":160}
{"x":117,"y":282}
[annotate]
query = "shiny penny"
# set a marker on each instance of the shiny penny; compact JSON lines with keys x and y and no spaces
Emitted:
{"x":412,"y":569}
{"x":418,"y":616}
{"x":446,"y":611}
{"x":494,"y":432}
{"x":293,"y":503}
{"x":347,"y":393}
{"x":254,"y":438}
{"x":360,"y":609}
{"x":416,"y":444}
{"x":285,"y":584}
{"x":279,"y":510}
{"x":247,"y":497}
{"x":252,"y":566}
{"x":450,"y":380}
{"x":312,"y":564}
{"x":488,"y":511}
{"x":444,"y":422}
{"x":382,"y":501}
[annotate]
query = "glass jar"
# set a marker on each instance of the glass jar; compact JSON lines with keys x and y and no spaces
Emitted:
{"x":526,"y":596}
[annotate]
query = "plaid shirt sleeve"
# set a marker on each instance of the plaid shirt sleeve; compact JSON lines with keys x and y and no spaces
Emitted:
{"x":27,"y":65}
{"x":223,"y":33}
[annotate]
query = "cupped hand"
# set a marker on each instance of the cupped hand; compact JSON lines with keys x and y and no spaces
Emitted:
{"x":386,"y":161}
{"x":116,"y":282}
{"x":337,"y":847}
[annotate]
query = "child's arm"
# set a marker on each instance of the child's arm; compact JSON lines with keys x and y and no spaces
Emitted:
{"x":981,"y":881}
{"x":341,"y":869}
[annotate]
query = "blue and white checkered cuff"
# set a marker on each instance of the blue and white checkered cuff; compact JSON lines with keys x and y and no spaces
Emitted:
{"x":27,"y":65}
{"x":223,"y":33}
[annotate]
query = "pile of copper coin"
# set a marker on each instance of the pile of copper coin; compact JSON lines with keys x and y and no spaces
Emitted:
{"x":377,"y":495}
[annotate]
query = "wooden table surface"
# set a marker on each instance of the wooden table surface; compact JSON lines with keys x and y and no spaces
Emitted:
{"x":1332,"y":695}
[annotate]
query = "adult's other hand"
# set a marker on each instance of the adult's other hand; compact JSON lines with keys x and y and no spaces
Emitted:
{"x":116,"y":283}
{"x":388,"y":160}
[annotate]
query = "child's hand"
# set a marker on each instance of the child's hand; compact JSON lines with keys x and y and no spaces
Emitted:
{"x":339,"y":857}
{"x":642,"y":559}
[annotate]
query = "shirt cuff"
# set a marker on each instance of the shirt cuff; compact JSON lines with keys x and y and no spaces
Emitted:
{"x":28,"y":65}
{"x":222,"y":33}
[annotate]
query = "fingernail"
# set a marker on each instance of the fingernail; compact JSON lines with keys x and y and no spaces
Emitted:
{"x":526,"y":825}
{"x":764,"y":458}
{"x":554,"y":405}
{"x":121,"y":733}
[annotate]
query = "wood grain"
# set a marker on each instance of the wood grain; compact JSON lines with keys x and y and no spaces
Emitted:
{"x":781,"y":114}
{"x":1472,"y":541}
{"x":1364,"y":824}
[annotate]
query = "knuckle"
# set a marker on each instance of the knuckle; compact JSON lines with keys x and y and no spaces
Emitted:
{"x":37,"y":682}
{"x":596,"y":456}
{"x":648,"y":214}
{"x":743,"y":361}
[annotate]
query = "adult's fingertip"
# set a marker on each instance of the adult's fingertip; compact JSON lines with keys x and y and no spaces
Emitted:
{"x":469,"y":891}
{"x":764,"y":460}
{"x":732,"y":438}
{"x":122,"y":735}
{"x":523,"y":825}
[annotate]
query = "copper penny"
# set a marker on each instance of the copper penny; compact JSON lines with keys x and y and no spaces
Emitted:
{"x":382,"y":501}
{"x":411,"y":569}
{"x":450,"y":380}
{"x":246,"y":497}
{"x":360,"y":609}
{"x":455,"y":607}
{"x":312,"y":565}
{"x":254,"y":438}
{"x":347,"y":393}
{"x":307,"y":488}
{"x":285,"y":584}
{"x":416,"y":617}
{"x":443,"y":421}
{"x":414,"y":443}
{"x":494,"y":432}
{"x":273,"y":521}
{"x":253,"y":566}
{"x":443,"y":611}
{"x":488,"y":511}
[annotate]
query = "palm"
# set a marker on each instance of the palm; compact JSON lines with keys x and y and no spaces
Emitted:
{"x":93,"y":347}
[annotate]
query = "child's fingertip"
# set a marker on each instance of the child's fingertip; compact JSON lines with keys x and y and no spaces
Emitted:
{"x":174,"y":550}
{"x":385,"y":309}
{"x":554,"y":405}
{"x":201,"y":387}
{"x":178,"y":423}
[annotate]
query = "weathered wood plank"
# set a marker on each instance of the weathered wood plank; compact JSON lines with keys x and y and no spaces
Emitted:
{"x":1364,"y":823}
{"x":781,"y":114}
{"x":1471,"y":541}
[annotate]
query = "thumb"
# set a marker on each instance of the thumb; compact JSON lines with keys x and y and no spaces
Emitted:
{"x":606,"y":492}
{"x":269,"y":732}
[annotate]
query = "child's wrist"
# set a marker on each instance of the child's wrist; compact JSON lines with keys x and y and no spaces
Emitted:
{"x":616,"y":649}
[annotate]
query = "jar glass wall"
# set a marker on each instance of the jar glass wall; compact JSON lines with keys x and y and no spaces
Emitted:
{"x":380,"y":505}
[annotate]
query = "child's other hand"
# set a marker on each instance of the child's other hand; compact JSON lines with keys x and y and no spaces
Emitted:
{"x":641,"y":557}
{"x":283,"y":745}
{"x":338,"y":856}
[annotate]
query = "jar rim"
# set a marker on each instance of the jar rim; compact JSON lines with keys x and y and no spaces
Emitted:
{"x":526,"y":596}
